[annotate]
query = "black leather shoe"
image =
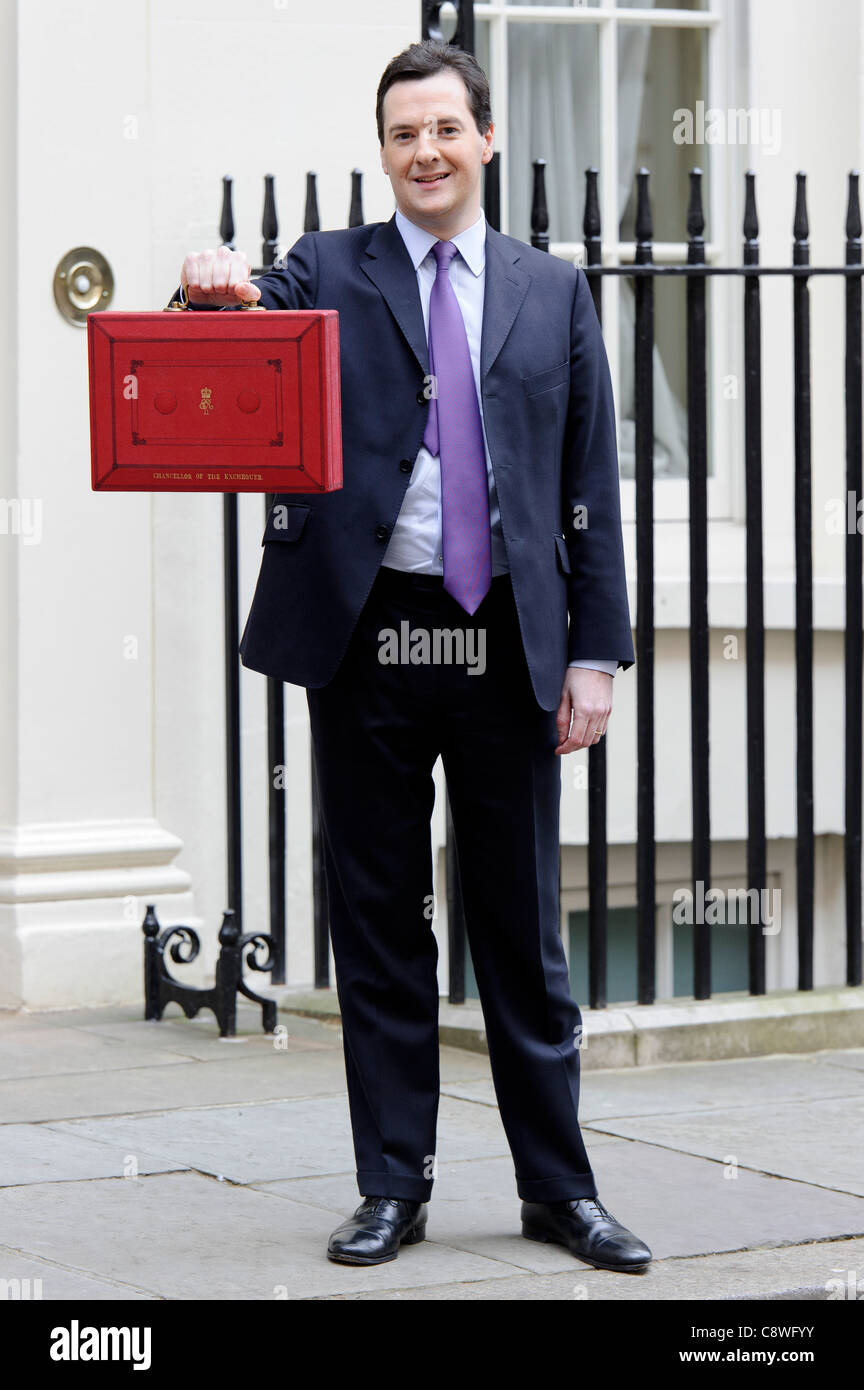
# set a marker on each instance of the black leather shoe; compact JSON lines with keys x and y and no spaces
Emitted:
{"x":376,"y":1230}
{"x":589,"y":1232}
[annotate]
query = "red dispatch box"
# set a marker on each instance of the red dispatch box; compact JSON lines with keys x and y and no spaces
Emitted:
{"x":210,"y":402}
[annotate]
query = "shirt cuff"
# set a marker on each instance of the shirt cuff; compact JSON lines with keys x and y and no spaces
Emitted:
{"x":610,"y":667}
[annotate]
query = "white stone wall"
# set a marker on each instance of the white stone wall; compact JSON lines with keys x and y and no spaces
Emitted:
{"x":118,"y":124}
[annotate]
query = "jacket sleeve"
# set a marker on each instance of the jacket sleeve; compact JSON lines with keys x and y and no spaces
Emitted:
{"x":597,"y":584}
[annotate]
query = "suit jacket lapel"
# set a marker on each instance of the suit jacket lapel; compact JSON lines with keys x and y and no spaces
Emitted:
{"x":506,"y":285}
{"x":389,"y":267}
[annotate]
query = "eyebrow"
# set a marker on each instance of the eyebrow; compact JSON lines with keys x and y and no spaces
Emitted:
{"x":440,"y":120}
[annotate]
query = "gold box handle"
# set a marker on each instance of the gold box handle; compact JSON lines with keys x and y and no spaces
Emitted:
{"x":181,"y":303}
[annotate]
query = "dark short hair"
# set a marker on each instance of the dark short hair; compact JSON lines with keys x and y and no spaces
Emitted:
{"x":431,"y":56}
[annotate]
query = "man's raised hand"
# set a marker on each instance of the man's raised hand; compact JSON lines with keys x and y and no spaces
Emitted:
{"x":218,"y":277}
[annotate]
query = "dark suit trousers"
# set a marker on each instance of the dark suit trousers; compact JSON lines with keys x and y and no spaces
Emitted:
{"x":377,"y":730}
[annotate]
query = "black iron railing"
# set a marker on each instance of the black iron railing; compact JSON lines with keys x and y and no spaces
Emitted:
{"x":645,"y":274}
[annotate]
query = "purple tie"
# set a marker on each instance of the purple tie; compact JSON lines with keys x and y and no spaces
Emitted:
{"x":454,"y":431}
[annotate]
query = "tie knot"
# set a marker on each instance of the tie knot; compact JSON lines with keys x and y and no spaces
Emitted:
{"x":444,"y":251}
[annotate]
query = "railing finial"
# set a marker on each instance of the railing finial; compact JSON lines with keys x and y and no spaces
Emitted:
{"x":801,"y":225}
{"x":311,"y":220}
{"x":591,"y":219}
{"x":695,"y":215}
{"x":539,"y":210}
{"x":269,"y":224}
{"x":853,"y":209}
{"x":226,"y":219}
{"x":644,"y":221}
{"x":751,"y":216}
{"x":355,"y":211}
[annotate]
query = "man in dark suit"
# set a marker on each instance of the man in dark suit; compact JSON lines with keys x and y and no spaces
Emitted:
{"x":425,"y":607}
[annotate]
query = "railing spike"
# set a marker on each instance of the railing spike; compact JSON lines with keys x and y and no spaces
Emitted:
{"x":801,"y":225}
{"x":269,"y":224}
{"x":355,"y":212}
{"x":853,"y":209}
{"x":695,"y":215}
{"x":226,"y":219}
{"x":311,"y":220}
{"x":539,"y":210}
{"x":644,"y":223}
{"x":591,"y":221}
{"x":751,"y":216}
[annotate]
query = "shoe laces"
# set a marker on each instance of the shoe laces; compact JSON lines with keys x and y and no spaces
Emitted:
{"x":376,"y":1204}
{"x":373,"y":1211}
{"x":599,"y":1209}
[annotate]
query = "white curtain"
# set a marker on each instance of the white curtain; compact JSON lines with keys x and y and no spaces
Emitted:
{"x":554,"y":115}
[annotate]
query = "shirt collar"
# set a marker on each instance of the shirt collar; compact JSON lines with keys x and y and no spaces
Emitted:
{"x":471,"y":243}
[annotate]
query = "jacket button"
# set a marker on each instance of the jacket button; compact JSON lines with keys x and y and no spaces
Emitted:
{"x":406,"y":465}
{"x":382,"y":532}
{"x":422,"y":398}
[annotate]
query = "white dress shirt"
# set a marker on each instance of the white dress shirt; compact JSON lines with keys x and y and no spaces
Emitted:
{"x":415,"y":542}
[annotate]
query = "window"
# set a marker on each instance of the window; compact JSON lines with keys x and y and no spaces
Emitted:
{"x":728,"y":957}
{"x":729,"y":947}
{"x":598,"y":83}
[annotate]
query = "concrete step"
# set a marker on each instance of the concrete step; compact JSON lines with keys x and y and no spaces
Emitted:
{"x":676,"y":1030}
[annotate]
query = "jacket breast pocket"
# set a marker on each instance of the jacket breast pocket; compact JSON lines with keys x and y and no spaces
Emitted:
{"x":285,"y":522}
{"x":561,"y":550}
{"x":546,"y":380}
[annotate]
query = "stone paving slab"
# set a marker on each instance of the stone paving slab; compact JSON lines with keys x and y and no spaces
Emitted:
{"x":302,"y":1066}
{"x":795,"y":1272}
{"x":282,"y":1139}
{"x":474,"y":1208}
{"x":195,"y":1038}
{"x":105,"y":1013}
{"x":851,"y":1057}
{"x":40,"y":1279}
{"x":816,"y":1141}
{"x":680,"y":1205}
{"x":52,"y":1052}
{"x":40,"y":1154}
{"x":198,"y":1039}
{"x":243,"y":1144}
{"x":166,"y":1088}
{"x":176,"y":1097}
{"x":700,"y":1086}
{"x":188,"y":1237}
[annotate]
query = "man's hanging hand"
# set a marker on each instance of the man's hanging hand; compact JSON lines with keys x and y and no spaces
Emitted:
{"x":585,"y":708}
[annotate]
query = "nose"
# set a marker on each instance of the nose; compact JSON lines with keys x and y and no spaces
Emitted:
{"x":427,"y":148}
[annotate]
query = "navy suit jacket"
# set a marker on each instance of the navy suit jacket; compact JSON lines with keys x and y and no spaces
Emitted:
{"x":549,"y":418}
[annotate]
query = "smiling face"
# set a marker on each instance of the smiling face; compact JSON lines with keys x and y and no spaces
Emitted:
{"x":433,"y":152}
